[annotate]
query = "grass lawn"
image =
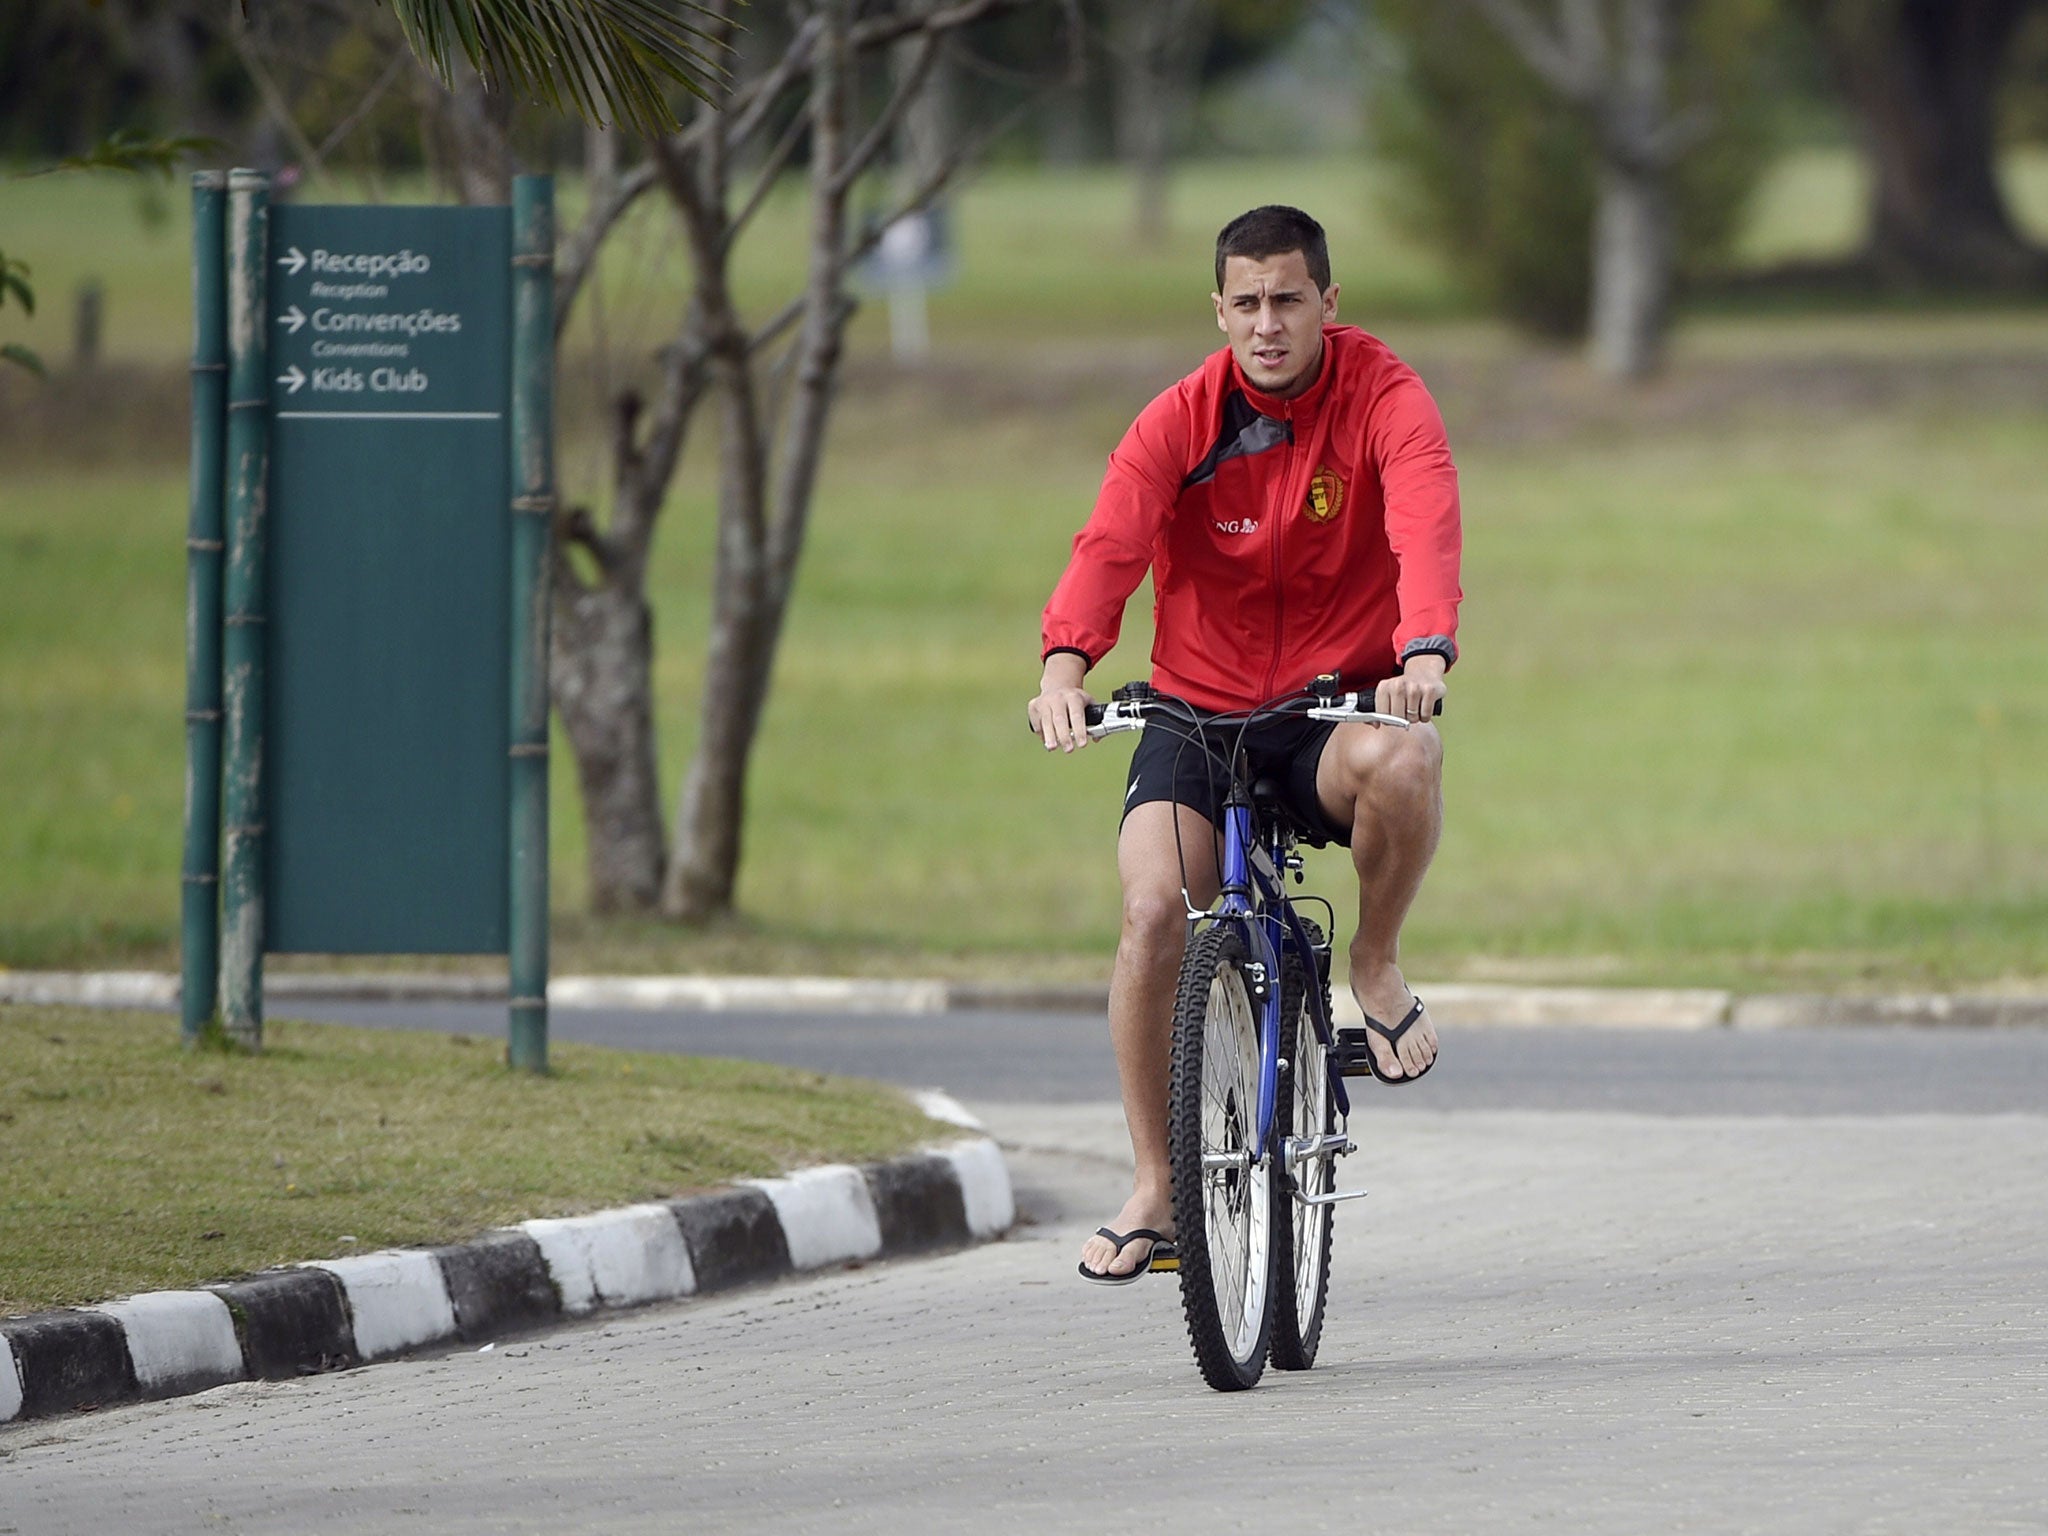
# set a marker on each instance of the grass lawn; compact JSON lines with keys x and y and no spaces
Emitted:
{"x":1755,"y":689}
{"x":133,"y":1164}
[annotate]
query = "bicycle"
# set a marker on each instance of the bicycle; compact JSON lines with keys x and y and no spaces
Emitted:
{"x":1257,"y":1109}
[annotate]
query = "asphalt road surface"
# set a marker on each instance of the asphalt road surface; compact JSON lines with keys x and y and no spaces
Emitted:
{"x":996,"y":1057}
{"x":1605,"y":1282}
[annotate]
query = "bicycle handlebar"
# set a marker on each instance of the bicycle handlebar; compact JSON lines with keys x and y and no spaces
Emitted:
{"x":1343,"y":708}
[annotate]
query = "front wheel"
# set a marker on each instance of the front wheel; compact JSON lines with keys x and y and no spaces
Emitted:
{"x":1222,"y":1191}
{"x":1301,"y":1230}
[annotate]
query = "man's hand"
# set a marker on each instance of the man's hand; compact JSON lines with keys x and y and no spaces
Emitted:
{"x":1059,"y":713}
{"x":1415,"y":693}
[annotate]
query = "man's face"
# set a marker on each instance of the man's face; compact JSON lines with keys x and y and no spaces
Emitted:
{"x":1270,"y":310}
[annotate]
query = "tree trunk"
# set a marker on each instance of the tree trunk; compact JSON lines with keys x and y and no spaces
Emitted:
{"x":761,"y":526}
{"x":704,"y":871}
{"x":1157,"y":47}
{"x":1141,"y":128}
{"x":1634,"y":245}
{"x":1632,"y":253}
{"x":601,"y":671}
{"x":711,"y":813}
{"x":1922,"y":76}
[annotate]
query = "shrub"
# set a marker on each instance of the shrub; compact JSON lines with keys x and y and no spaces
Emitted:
{"x":1497,"y":172}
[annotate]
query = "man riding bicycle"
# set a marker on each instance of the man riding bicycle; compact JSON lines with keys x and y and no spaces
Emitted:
{"x":1295,"y":501}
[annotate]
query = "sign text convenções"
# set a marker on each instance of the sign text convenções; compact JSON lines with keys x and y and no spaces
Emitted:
{"x":419,"y":322}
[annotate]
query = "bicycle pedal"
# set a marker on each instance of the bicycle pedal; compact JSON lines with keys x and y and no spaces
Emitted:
{"x":1354,"y":1054}
{"x":1165,"y":1260}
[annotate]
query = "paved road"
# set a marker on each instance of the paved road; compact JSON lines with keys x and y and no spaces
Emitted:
{"x":1575,"y":1318}
{"x":994,"y":1057}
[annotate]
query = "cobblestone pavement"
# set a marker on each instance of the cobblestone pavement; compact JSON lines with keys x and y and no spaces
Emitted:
{"x":1584,"y":1322}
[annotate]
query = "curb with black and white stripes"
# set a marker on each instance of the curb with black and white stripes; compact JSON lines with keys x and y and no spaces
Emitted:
{"x":345,"y":1312}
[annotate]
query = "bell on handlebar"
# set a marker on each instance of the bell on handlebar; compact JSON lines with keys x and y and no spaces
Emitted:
{"x":1139,"y":692}
{"x":1325,"y":689}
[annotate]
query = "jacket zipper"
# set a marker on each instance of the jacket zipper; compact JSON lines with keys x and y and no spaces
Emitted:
{"x":1287,"y":488}
{"x":1279,"y":591}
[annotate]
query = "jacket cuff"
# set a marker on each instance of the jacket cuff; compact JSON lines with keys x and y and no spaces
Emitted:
{"x":1432,"y":645}
{"x":1071,"y":650}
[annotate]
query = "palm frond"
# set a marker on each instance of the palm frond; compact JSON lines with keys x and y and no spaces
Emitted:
{"x":604,"y":60}
{"x":14,"y":280}
{"x":128,"y":150}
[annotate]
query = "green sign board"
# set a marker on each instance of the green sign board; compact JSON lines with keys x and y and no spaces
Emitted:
{"x":366,"y":663}
{"x":389,"y":570}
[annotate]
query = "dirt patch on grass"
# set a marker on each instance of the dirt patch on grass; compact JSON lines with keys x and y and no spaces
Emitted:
{"x":1494,"y":389}
{"x":1496,"y":392}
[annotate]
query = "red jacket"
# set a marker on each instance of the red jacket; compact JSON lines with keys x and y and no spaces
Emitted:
{"x":1286,"y":538}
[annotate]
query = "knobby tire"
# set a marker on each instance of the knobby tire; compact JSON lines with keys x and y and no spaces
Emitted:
{"x":1302,"y":1233}
{"x":1213,"y":1062}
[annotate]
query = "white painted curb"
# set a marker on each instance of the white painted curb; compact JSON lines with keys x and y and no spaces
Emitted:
{"x":985,"y":1191}
{"x":397,"y":1299}
{"x":10,"y":1384}
{"x":941,"y":1105}
{"x":722,"y":993}
{"x":1483,"y":1004}
{"x":178,"y":1339}
{"x":92,"y":989}
{"x":615,"y":1258}
{"x":827,"y":1214}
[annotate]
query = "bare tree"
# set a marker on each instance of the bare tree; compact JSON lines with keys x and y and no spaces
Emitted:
{"x":772,"y":384}
{"x":1922,"y":77}
{"x":1623,"y":85}
{"x":1156,"y":52}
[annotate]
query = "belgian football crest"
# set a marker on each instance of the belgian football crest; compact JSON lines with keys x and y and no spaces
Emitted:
{"x":1325,"y":496}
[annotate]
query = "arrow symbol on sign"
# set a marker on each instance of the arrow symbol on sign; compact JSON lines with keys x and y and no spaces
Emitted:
{"x":292,"y":379}
{"x":292,"y":319}
{"x":293,"y":262}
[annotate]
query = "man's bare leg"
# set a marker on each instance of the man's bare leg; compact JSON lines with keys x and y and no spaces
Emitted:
{"x":1141,"y":990}
{"x":1388,"y":785}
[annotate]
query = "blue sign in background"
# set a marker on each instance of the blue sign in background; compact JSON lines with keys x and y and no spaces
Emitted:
{"x":386,"y":781}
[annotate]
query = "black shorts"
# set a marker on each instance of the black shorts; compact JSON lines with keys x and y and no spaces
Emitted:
{"x":1169,"y":766}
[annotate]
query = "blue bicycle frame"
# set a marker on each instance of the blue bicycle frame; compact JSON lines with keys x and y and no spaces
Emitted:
{"x":1255,"y":901}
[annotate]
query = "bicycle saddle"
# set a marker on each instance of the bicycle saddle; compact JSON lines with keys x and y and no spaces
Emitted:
{"x":1270,"y":796}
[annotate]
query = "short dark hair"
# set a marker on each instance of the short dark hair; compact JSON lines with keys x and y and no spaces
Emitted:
{"x":1275,"y":230}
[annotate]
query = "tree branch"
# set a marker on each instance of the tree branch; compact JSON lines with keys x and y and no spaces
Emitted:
{"x":918,"y":199}
{"x":365,"y":107}
{"x":274,"y":102}
{"x":907,"y":86}
{"x":578,"y":254}
{"x":894,"y":28}
{"x":765,"y":179}
{"x":818,"y":346}
{"x":1552,"y":58}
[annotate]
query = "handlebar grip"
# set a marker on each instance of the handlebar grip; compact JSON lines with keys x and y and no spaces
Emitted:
{"x":1093,"y":712}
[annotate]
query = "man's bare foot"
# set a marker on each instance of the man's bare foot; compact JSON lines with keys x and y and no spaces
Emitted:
{"x":1385,"y":996}
{"x":1104,"y":1258}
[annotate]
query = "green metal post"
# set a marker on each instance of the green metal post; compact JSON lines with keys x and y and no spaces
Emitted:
{"x":248,"y":454}
{"x":533,"y":506}
{"x":201,"y":927}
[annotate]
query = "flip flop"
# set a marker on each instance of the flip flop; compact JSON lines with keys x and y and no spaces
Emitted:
{"x":1163,"y":1259}
{"x":1356,"y":1050}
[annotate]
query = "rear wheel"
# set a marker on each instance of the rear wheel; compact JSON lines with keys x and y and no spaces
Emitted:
{"x":1302,"y":1232}
{"x":1222,"y":1197}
